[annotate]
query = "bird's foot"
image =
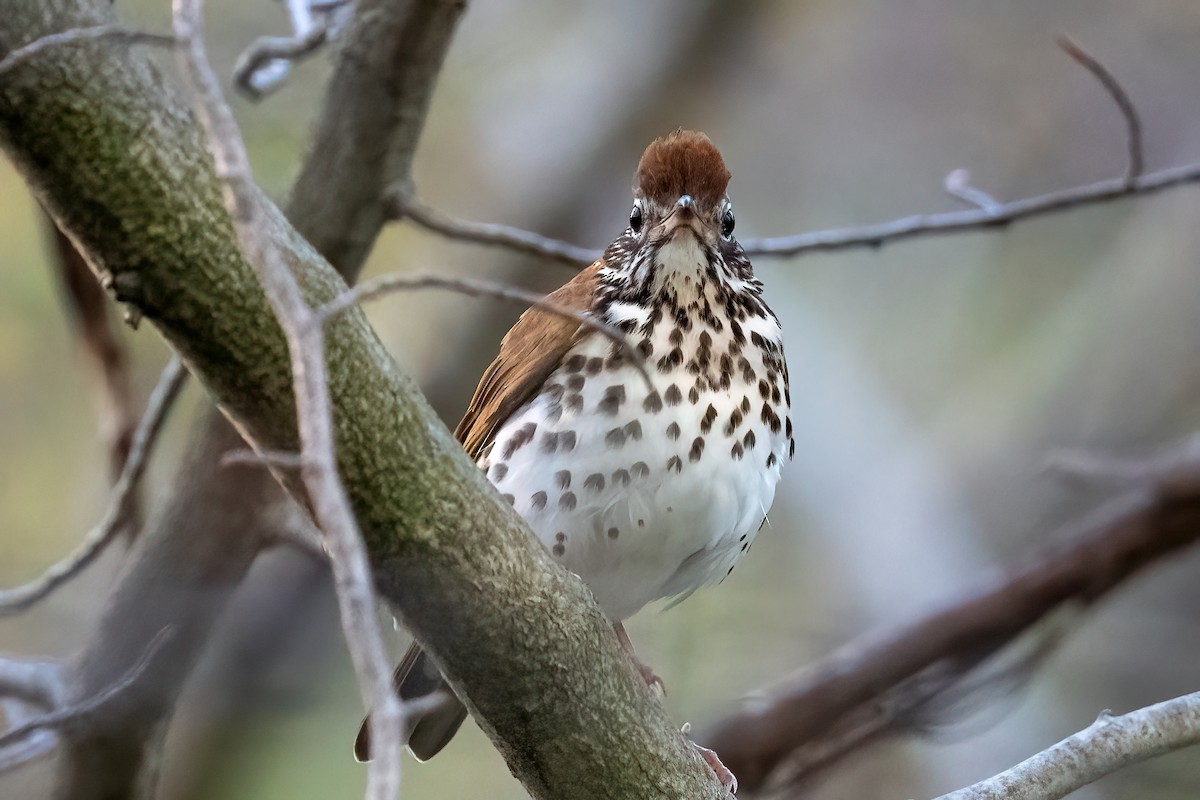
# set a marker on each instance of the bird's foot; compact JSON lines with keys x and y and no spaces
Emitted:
{"x":652,"y":678}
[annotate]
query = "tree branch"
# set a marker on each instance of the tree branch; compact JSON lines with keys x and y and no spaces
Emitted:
{"x":570,"y":716}
{"x":326,"y":498}
{"x":121,"y":504}
{"x":1107,"y":745}
{"x":887,"y":682}
{"x":387,"y":284}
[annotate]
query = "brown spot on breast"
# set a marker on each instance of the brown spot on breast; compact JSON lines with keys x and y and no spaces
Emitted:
{"x":673,"y":431}
{"x":633,"y":430}
{"x":522,"y":437}
{"x":640,"y":469}
{"x":621,"y":476}
{"x":563,"y":478}
{"x":653,"y":403}
{"x":595,"y":482}
{"x":566,"y":440}
{"x":574,"y":363}
{"x":674,"y":397}
{"x":594,"y":365}
{"x":614,"y":396}
{"x":674,"y":463}
{"x":567,"y":501}
{"x":613,"y":533}
{"x":710,"y":417}
{"x":499,"y":471}
{"x":697,"y":449}
{"x":538,"y":501}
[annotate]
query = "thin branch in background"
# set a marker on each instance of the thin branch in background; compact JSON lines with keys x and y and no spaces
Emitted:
{"x":90,"y":310}
{"x":1176,"y":464}
{"x":888,"y":682}
{"x":262,"y":458}
{"x":958,"y":185}
{"x":1133,"y":123}
{"x":36,"y":683}
{"x":305,"y":340}
{"x":266,"y":63}
{"x":386,"y":284}
{"x":114,"y":33}
{"x":84,"y":708}
{"x":1107,"y":745}
{"x":121,"y":502}
{"x":492,"y":234}
{"x":987,"y":214}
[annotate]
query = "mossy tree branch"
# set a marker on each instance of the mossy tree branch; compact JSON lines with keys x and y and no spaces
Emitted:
{"x":120,"y":163}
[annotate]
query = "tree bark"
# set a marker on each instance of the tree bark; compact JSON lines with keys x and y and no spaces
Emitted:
{"x":120,"y":164}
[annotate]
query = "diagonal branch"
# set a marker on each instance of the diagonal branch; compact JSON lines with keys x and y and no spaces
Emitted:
{"x":121,"y":503}
{"x":386,"y":284}
{"x":1107,"y":745}
{"x":84,"y":708}
{"x":113,"y":33}
{"x":325,"y":494}
{"x":886,"y":683}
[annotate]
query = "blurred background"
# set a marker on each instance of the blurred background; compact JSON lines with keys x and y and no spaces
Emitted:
{"x":930,"y":379}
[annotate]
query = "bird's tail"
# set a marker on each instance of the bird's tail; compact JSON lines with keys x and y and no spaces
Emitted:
{"x":430,"y":731}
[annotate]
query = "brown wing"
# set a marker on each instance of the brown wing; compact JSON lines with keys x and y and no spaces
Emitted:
{"x":529,"y":352}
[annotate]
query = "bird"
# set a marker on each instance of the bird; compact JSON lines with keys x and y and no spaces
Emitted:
{"x":646,"y":470}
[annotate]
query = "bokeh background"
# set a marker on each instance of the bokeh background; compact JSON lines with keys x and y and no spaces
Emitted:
{"x":931,"y":379}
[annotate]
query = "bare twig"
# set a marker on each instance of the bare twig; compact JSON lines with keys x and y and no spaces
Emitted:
{"x":115,"y":33}
{"x":1133,"y":123}
{"x":120,"y":503}
{"x":32,"y":682}
{"x":305,"y":339}
{"x":264,"y":65}
{"x":1107,"y":745}
{"x":386,"y":284}
{"x":488,"y":233}
{"x":885,"y":683}
{"x":264,"y":458}
{"x":982,"y":219}
{"x":958,"y":185}
{"x":90,"y":705}
{"x":1176,"y":464}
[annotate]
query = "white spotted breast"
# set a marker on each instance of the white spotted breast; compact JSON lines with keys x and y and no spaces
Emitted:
{"x":650,"y":490}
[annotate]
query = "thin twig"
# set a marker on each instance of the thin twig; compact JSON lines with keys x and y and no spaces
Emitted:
{"x":386,"y":284}
{"x":32,"y":682}
{"x":117,"y":514}
{"x":832,"y":239}
{"x":90,"y":705}
{"x":305,"y":340}
{"x":262,"y":458}
{"x":1133,"y":123}
{"x":268,"y":60}
{"x":958,"y":185}
{"x":117,"y":33}
{"x":1107,"y":745}
{"x":488,"y":233}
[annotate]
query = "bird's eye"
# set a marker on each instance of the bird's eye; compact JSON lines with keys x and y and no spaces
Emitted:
{"x":635,"y":218}
{"x":727,"y":223}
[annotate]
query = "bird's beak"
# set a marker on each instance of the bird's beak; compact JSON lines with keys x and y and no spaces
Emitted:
{"x":683,"y":215}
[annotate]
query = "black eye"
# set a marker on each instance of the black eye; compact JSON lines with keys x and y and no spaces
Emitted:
{"x":727,"y":223}
{"x":635,"y":218}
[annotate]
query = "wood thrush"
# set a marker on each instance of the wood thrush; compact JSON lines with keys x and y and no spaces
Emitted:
{"x":646,"y":491}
